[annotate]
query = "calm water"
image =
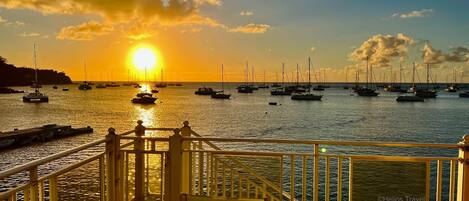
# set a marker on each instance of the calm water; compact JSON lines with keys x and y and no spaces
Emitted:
{"x":339,"y":116}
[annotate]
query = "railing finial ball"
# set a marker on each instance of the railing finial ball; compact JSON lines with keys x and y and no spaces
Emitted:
{"x":186,"y":123}
{"x":111,"y":130}
{"x":139,"y":122}
{"x":465,"y":138}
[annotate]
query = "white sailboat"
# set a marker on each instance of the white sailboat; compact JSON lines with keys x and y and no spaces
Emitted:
{"x":36,"y":96}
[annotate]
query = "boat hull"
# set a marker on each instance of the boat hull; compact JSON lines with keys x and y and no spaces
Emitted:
{"x":35,"y":100}
{"x":221,"y":96}
{"x":307,"y":97}
{"x":409,"y":99}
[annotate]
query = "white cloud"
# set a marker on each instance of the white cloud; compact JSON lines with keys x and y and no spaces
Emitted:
{"x":246,"y":13}
{"x":31,"y":34}
{"x":251,"y":28}
{"x":312,"y":49}
{"x":85,"y":31}
{"x":414,"y":14}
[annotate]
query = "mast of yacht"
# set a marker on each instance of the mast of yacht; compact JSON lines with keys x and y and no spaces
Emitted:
{"x":36,"y":83}
{"x":252,"y":75}
{"x":222,"y":81}
{"x":367,"y":76}
{"x":297,"y":74}
{"x":413,"y":77}
{"x":283,"y":74}
{"x":84,"y":69}
{"x":428,"y":76}
{"x":309,"y":74}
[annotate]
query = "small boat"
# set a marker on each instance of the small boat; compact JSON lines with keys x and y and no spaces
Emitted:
{"x":367,"y":92}
{"x":451,"y":89}
{"x":100,"y":86}
{"x":204,"y":91}
{"x":263,"y":86}
{"x":280,"y":92}
{"x":272,"y":103}
{"x":142,"y":94}
{"x":245,"y":89}
{"x":409,"y":99}
{"x":426,"y":93}
{"x":319,"y":88}
{"x":137,"y":86}
{"x":161,"y":85}
{"x":178,"y":85}
{"x":55,"y":87}
{"x":307,"y":96}
{"x":464,"y":95}
{"x":65,"y":89}
{"x":85,"y":86}
{"x":144,"y":99}
{"x":35,"y":85}
{"x":394,"y":88}
{"x":221,"y":94}
{"x":35,"y":97}
{"x":4,"y":90}
{"x":274,"y":85}
{"x":112,"y":85}
{"x":6,"y":143}
{"x":154,"y":91}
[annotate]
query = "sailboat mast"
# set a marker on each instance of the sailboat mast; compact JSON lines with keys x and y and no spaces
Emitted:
{"x":413,"y":76}
{"x":428,"y":76}
{"x":222,"y":81}
{"x":400,"y":73}
{"x":35,"y":66}
{"x":297,"y":74}
{"x":252,"y":75}
{"x":367,"y":76}
{"x":283,"y":74}
{"x":84,"y":69}
{"x":309,"y":72}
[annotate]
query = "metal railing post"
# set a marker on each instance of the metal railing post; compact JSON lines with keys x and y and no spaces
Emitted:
{"x":463,"y":170}
{"x":34,"y":184}
{"x":110,"y":161}
{"x":139,"y":146}
{"x":185,"y":132}
{"x":174,"y":169}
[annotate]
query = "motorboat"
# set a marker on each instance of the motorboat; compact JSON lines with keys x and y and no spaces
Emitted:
{"x":36,"y":97}
{"x":204,"y":91}
{"x":144,"y":99}
{"x":100,"y":86}
{"x":464,"y":95}
{"x":367,"y":92}
{"x":85,"y":86}
{"x":409,"y":99}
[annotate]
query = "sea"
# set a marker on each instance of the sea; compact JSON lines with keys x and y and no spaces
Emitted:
{"x":340,"y":116}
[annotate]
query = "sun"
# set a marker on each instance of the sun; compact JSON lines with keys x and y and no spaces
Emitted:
{"x":144,"y":58}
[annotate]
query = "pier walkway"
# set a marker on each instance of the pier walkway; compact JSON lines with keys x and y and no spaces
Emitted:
{"x":178,"y":164}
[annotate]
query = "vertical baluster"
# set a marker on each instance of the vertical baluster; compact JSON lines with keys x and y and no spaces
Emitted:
{"x":232,"y":183}
{"x":292,"y":177}
{"x":327,"y":179}
{"x":223,"y":180}
{"x":303,"y":192}
{"x":439,"y":181}
{"x":126,"y":177}
{"x":102,"y":178}
{"x":264,"y":191}
{"x":339,"y":178}
{"x":33,"y":180}
{"x":427,"y":183}
{"x":248,"y":191}
{"x":26,"y":192}
{"x":350,"y":180}
{"x":215,"y":178}
{"x":201,"y":168}
{"x":163,"y":175}
{"x":191,"y":171}
{"x":451,"y":180}
{"x":12,"y":197}
{"x":240,"y":186}
{"x":209,"y":169}
{"x":41,"y":190}
{"x":281,"y":178}
{"x":53,"y":189}
{"x":316,"y":172}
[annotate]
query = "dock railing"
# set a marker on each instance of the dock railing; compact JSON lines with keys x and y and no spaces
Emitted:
{"x":179,"y":161}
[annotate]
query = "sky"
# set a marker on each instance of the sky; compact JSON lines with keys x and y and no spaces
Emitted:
{"x":192,"y":38}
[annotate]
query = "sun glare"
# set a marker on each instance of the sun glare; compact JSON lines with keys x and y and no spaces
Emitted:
{"x":144,"y":57}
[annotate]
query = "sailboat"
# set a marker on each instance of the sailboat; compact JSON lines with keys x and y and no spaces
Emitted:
{"x":367,"y":91}
{"x":412,"y":98}
{"x":308,"y":95}
{"x":161,"y":84}
{"x":346,"y":79}
{"x":452,"y":88}
{"x":246,"y":88}
{"x":281,"y":91}
{"x":264,"y":85}
{"x":144,"y":97}
{"x":221,"y":94}
{"x":393,"y":87}
{"x":36,"y":96}
{"x":85,"y":85}
{"x":321,"y":87}
{"x":426,"y":93}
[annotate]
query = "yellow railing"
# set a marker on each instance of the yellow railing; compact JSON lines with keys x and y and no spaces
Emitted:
{"x":162,"y":167}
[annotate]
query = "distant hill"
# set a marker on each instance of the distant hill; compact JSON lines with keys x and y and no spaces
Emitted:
{"x":10,"y":75}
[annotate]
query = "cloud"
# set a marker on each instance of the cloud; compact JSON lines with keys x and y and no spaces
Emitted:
{"x":414,"y":14}
{"x":431,"y":55}
{"x":251,"y":28}
{"x":85,"y":31}
{"x":246,"y":13}
{"x":381,"y":49}
{"x":312,"y":49}
{"x":32,"y":34}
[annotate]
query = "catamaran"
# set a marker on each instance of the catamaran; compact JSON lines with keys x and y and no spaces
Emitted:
{"x":308,"y":95}
{"x":85,"y":85}
{"x":36,"y":96}
{"x":221,"y":94}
